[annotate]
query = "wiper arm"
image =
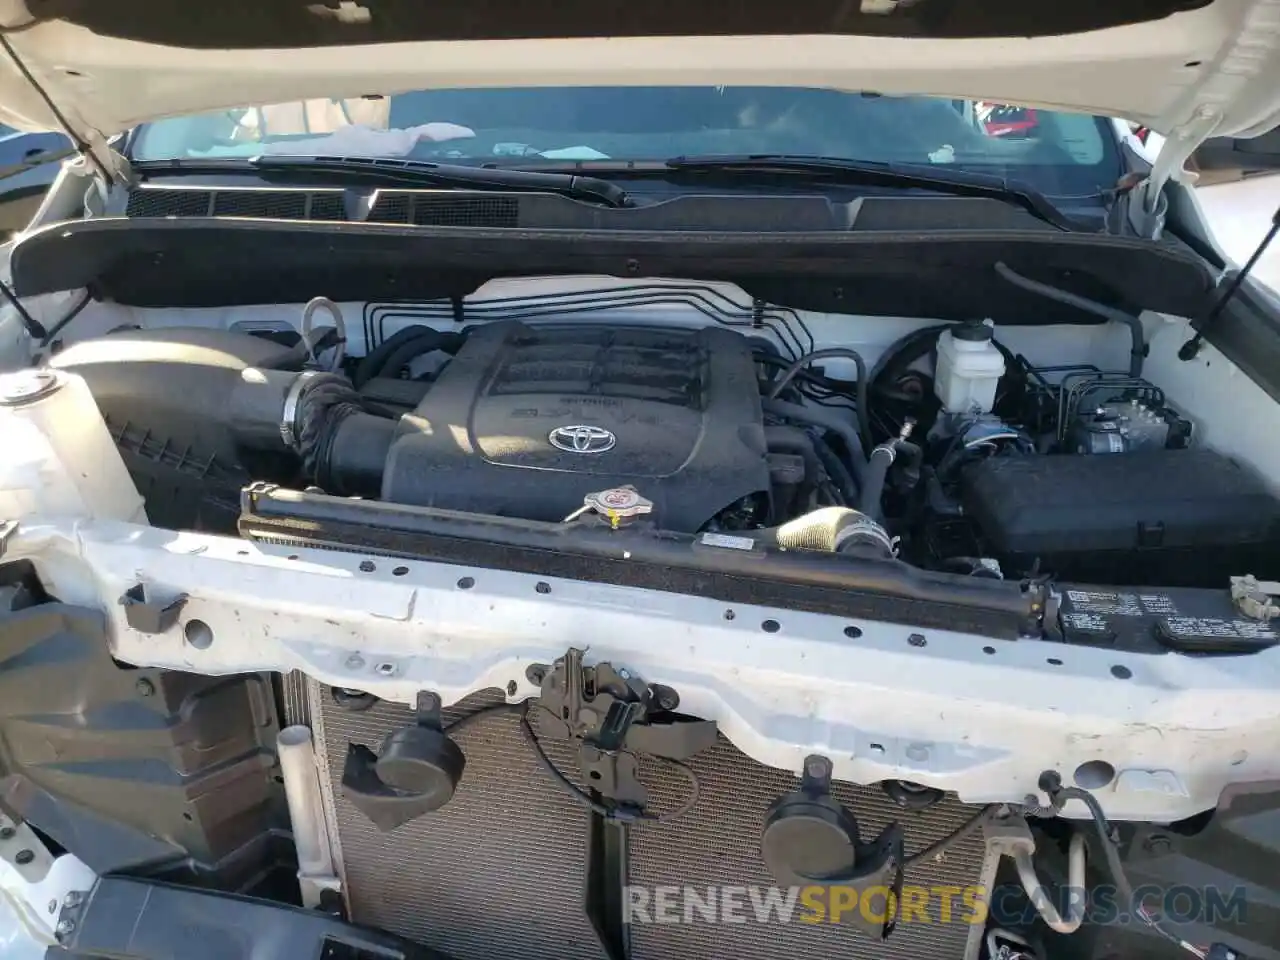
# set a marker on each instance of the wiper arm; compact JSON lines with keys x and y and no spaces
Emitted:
{"x":416,"y":173}
{"x":837,"y":170}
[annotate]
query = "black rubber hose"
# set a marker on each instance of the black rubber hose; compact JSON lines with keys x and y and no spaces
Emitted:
{"x":355,"y":454}
{"x":1138,"y":351}
{"x":410,"y":349}
{"x":969,"y":827}
{"x":1051,"y":783}
{"x":911,"y":453}
{"x":862,"y":386}
{"x":373,"y":363}
{"x":827,"y":420}
{"x":836,"y":470}
{"x":882,"y":458}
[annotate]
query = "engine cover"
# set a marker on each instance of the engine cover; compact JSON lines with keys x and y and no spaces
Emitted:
{"x":527,"y":420}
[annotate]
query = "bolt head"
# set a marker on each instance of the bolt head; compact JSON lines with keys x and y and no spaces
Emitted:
{"x":144,"y":687}
{"x":427,"y":699}
{"x":73,"y":899}
{"x":355,"y":662}
{"x":817,"y":767}
{"x":6,"y":833}
{"x":65,"y":928}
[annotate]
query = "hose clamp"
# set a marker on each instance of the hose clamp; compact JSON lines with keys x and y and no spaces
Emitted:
{"x":862,"y":530}
{"x":292,"y":403}
{"x":886,"y":448}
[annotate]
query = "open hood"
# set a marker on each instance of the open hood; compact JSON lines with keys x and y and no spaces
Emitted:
{"x":1208,"y":66}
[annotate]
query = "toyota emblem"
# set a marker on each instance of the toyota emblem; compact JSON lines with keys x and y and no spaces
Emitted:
{"x":580,"y":438}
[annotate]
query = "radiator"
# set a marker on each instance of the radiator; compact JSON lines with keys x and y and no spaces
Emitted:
{"x":501,"y":871}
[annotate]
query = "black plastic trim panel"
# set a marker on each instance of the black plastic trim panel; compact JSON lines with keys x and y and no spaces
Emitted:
{"x":930,"y":273}
{"x":128,"y":919}
{"x":134,"y":769}
{"x":1248,"y":334}
{"x":799,"y":580}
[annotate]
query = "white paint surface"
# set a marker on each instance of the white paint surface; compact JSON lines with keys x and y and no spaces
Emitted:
{"x":1239,"y":212}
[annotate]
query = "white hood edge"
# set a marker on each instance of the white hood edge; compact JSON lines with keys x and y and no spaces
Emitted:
{"x":1215,"y":70}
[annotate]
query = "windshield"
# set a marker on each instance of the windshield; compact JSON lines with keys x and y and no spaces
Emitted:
{"x":1058,"y":153}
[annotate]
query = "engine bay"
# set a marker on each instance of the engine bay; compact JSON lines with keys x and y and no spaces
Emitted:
{"x":1035,"y":476}
{"x":950,"y":452}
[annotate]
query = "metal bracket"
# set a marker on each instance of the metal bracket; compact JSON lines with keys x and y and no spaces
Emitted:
{"x":1008,"y":835}
{"x":39,"y":887}
{"x":1141,"y":210}
{"x":144,"y":612}
{"x":616,"y":716}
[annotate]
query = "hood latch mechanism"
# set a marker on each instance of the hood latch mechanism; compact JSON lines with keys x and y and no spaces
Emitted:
{"x":618,"y":718}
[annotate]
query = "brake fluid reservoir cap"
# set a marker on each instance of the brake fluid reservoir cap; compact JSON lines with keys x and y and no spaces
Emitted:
{"x":26,"y":386}
{"x":972,"y":332}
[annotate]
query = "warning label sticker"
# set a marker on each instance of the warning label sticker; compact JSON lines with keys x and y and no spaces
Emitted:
{"x":1121,"y":604}
{"x":1218,"y":627}
{"x":1088,"y":622}
{"x":727,"y":542}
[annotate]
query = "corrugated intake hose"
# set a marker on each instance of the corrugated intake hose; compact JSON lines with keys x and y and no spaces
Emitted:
{"x":829,"y":530}
{"x":322,"y":402}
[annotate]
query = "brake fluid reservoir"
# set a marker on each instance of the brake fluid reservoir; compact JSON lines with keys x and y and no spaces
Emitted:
{"x":969,"y":369}
{"x":56,"y":456}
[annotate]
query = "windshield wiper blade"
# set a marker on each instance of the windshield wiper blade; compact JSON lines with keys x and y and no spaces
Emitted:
{"x":415,"y":173}
{"x":837,"y":170}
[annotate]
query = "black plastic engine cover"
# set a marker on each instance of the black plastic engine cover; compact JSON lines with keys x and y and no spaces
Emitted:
{"x":675,"y":412}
